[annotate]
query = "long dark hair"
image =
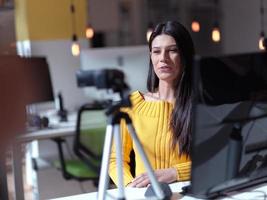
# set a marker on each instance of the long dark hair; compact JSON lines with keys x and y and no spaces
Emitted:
{"x":180,"y":123}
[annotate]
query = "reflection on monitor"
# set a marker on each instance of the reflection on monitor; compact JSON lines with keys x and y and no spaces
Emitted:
{"x":229,"y":145}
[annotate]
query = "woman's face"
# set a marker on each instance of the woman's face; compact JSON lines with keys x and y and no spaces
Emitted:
{"x":165,"y":58}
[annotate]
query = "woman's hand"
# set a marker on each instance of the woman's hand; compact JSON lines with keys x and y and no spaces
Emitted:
{"x":162,"y":175}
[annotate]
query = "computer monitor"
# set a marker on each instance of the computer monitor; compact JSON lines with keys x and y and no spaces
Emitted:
{"x":229,"y":137}
{"x":23,"y":81}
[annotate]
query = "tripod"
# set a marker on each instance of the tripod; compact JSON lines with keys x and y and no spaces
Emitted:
{"x":113,"y":130}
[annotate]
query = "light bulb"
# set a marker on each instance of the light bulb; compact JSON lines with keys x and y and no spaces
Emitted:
{"x":89,"y":32}
{"x":75,"y":49}
{"x":216,"y":35}
{"x":261,"y":41}
{"x":195,"y":26}
{"x":261,"y":47}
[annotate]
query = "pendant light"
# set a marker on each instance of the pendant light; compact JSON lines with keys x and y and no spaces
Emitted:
{"x":75,"y":47}
{"x":89,"y":32}
{"x":195,"y":25}
{"x":262,"y":45}
{"x":216,"y":32}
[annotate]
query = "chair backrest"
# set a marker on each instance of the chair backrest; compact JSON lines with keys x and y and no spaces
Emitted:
{"x":90,"y":135}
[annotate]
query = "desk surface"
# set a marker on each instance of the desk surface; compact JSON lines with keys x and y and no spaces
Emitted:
{"x":131,"y":193}
{"x":258,"y":192}
{"x":47,"y":133}
{"x":56,"y":129}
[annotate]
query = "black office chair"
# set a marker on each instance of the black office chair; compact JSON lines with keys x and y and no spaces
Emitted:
{"x":88,"y":146}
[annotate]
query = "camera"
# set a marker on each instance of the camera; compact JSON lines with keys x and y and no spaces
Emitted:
{"x":102,"y":79}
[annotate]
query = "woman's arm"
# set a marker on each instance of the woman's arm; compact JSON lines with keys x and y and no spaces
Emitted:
{"x":179,"y":172}
{"x":126,"y":149}
{"x":167,"y":175}
{"x":183,"y":171}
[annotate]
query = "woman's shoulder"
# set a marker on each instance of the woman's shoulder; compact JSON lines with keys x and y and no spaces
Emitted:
{"x":136,"y":97}
{"x":141,"y":96}
{"x":136,"y":93}
{"x":143,"y":105}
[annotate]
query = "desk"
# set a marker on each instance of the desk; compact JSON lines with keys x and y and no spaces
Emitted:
{"x":49,"y":133}
{"x":131,"y":193}
{"x":255,"y":193}
{"x":138,"y":193}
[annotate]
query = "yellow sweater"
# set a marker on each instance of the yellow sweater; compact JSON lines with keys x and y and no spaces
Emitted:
{"x":151,"y":122}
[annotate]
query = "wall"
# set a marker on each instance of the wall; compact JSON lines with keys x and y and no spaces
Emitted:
{"x":241,"y":25}
{"x":7,"y":32}
{"x":119,"y":29}
{"x":46,"y":20}
{"x":107,"y":20}
{"x":239,"y":21}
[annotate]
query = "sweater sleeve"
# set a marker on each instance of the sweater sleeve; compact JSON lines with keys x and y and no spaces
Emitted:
{"x":126,"y":149}
{"x":183,"y":171}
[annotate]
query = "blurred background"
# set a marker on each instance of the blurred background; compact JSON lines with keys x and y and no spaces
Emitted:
{"x":97,"y":34}
{"x":48,"y":28}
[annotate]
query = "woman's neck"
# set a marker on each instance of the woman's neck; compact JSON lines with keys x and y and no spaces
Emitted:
{"x":165,"y":92}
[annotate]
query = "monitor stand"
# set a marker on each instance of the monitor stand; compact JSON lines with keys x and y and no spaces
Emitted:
{"x":226,"y":187}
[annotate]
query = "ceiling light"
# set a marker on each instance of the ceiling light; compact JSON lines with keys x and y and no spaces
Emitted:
{"x":195,"y":25}
{"x":75,"y":47}
{"x":89,"y":32}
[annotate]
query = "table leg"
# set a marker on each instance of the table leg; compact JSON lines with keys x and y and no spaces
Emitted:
{"x":17,"y":170}
{"x":3,"y":177}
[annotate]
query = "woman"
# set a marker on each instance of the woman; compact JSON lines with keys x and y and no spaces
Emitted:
{"x":161,"y":117}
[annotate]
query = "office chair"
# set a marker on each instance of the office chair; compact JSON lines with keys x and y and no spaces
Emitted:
{"x":88,"y":146}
